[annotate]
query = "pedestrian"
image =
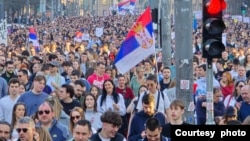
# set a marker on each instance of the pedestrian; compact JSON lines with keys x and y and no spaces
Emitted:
{"x":154,"y":130}
{"x":5,"y":130}
{"x":111,"y":122}
{"x":82,"y":131}
{"x":25,"y":129}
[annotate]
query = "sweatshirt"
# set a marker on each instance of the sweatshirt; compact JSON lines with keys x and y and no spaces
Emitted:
{"x":138,"y":124}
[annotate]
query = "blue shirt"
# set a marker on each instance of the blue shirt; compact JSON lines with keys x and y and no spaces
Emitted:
{"x":32,"y":101}
{"x":244,"y":111}
{"x":3,"y":87}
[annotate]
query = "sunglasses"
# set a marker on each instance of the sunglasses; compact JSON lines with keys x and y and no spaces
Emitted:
{"x":22,"y":129}
{"x":45,"y":111}
{"x":76,"y":117}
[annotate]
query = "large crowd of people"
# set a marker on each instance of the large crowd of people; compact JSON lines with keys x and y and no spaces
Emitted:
{"x":70,"y":90}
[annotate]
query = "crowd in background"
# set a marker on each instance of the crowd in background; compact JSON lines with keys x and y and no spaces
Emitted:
{"x":64,"y":85}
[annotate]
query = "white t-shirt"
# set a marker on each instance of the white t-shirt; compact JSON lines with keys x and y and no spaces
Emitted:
{"x":229,"y":101}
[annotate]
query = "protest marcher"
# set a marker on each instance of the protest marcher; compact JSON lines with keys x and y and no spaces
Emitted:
{"x":111,"y":121}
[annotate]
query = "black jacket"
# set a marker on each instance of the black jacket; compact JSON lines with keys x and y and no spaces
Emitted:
{"x":118,"y":137}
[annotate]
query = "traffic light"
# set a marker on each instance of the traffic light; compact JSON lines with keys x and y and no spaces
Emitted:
{"x":243,"y":8}
{"x":213,"y":27}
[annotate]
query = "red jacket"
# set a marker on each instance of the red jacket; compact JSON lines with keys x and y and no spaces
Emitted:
{"x":227,"y":90}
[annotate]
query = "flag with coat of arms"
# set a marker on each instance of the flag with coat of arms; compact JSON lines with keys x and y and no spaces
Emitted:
{"x":138,"y":45}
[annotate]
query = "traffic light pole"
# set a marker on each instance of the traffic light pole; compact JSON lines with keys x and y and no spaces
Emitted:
{"x":212,"y":46}
{"x":165,"y":31}
{"x":209,"y":98}
{"x":184,"y":55}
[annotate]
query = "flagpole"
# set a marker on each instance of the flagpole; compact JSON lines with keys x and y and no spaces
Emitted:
{"x":156,"y":66}
{"x":27,"y":41}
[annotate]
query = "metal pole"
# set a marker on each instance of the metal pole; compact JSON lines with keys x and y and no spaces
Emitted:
{"x":97,"y":7}
{"x":6,"y":16}
{"x":1,"y":10}
{"x":52,"y":10}
{"x":209,"y":96}
{"x":184,"y":55}
{"x":165,"y":31}
{"x":27,"y":12}
{"x":159,"y":25}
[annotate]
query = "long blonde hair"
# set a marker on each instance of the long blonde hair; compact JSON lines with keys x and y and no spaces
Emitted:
{"x":57,"y":106}
{"x":80,"y":111}
{"x":44,"y":134}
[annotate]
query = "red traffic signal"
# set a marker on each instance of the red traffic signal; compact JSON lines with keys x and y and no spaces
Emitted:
{"x":213,"y":27}
{"x":216,"y":6}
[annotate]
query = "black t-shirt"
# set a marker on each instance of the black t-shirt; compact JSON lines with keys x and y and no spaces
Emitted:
{"x":164,"y":85}
{"x":166,"y":129}
{"x":67,"y":107}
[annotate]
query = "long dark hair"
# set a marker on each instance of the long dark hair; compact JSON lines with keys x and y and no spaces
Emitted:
{"x":14,"y":120}
{"x":104,"y":92}
{"x":84,"y":102}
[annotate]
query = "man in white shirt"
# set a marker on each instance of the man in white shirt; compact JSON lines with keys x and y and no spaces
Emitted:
{"x":234,"y":71}
{"x":7,"y":102}
{"x":54,"y":79}
{"x":161,"y":102}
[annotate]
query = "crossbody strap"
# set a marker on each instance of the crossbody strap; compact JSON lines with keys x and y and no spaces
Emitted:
{"x":158,"y":100}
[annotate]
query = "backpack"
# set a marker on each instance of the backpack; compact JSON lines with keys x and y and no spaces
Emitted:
{"x":158,"y":101}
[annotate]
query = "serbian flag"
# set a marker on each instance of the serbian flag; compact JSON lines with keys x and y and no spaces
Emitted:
{"x":78,"y":36}
{"x":126,"y":6}
{"x":33,"y":37}
{"x":132,"y":4}
{"x":123,"y":5}
{"x":138,"y":45}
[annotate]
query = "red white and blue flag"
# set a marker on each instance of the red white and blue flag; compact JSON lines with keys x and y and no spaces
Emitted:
{"x":126,"y":6}
{"x":78,"y":36}
{"x":33,"y":37}
{"x":138,"y":45}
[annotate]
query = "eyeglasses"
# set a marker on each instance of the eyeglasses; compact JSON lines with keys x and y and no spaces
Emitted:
{"x":45,"y":111}
{"x":76,"y":117}
{"x":22,"y":129}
